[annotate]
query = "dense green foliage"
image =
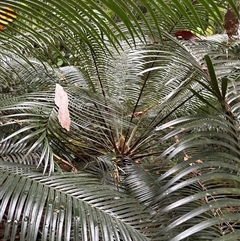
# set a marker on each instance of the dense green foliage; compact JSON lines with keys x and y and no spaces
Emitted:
{"x":153,"y":148}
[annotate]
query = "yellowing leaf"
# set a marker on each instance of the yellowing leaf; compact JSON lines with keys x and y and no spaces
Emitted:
{"x":61,"y":100}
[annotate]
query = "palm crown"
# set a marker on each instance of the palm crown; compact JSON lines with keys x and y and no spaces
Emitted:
{"x":152,"y":152}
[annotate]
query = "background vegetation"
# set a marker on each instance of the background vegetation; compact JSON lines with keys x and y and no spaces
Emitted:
{"x":153,"y":148}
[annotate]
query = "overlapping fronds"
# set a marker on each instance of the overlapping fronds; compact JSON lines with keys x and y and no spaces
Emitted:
{"x":66,"y":206}
{"x":154,"y":119}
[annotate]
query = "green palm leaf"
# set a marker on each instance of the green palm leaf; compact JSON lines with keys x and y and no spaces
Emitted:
{"x":153,"y":142}
{"x":66,"y":205}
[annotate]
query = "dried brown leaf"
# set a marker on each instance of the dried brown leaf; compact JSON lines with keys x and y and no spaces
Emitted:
{"x":61,"y":100}
{"x":231,"y":22}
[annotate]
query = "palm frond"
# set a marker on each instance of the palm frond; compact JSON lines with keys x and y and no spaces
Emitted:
{"x":69,"y":206}
{"x":153,"y":120}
